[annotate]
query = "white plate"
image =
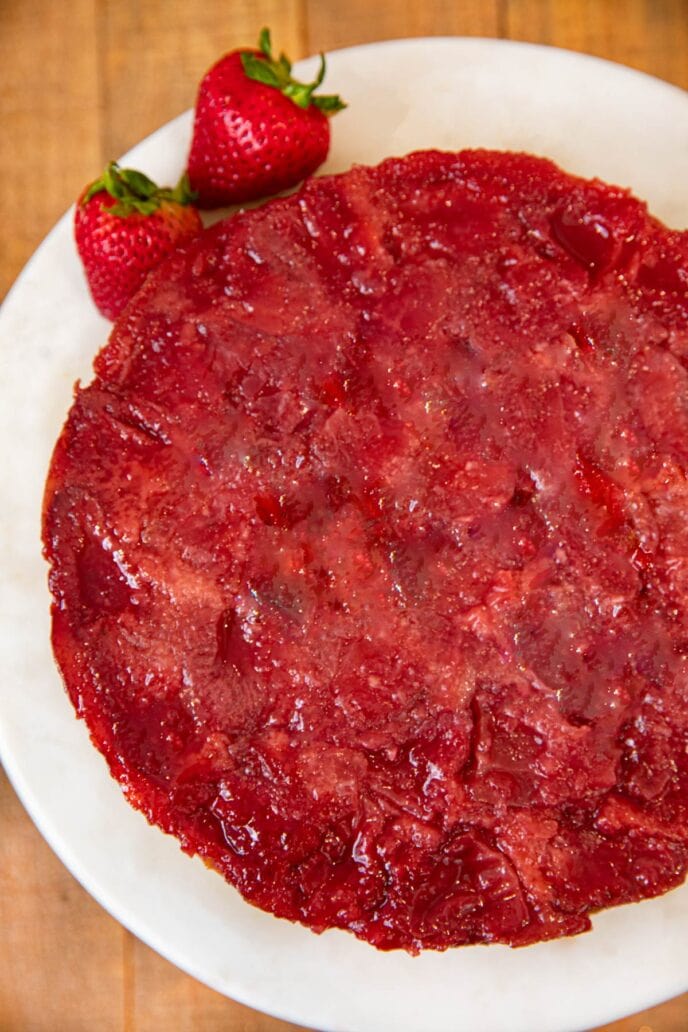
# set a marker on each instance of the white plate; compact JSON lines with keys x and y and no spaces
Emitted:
{"x":592,"y":117}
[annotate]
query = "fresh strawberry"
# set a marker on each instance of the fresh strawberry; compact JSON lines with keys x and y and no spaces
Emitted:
{"x":257,"y":130}
{"x":124,"y":226}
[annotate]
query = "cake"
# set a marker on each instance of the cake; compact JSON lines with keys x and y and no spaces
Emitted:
{"x":369,"y":554}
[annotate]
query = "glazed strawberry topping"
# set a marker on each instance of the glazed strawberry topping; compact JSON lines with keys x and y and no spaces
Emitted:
{"x":369,"y":551}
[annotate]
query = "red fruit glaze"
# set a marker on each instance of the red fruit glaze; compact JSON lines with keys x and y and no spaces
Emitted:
{"x":368,"y":551}
{"x":118,"y":253}
{"x":249,"y":139}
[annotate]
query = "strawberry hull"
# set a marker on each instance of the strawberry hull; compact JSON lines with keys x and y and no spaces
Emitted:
{"x":366,"y":548}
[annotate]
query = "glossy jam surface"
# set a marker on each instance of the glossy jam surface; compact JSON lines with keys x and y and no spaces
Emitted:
{"x":370,"y":554}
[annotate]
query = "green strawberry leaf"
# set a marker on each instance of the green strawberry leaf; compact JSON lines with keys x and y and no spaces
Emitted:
{"x":330,"y":105}
{"x":135,"y":193}
{"x":138,"y":184}
{"x":299,"y":93}
{"x":285,"y":66}
{"x":182,"y":193}
{"x":125,"y":208}
{"x":96,"y":187}
{"x":113,"y":182}
{"x":259,"y":70}
{"x":261,"y":66}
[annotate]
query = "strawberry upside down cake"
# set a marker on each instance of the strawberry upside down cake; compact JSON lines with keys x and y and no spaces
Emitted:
{"x":369,"y":551}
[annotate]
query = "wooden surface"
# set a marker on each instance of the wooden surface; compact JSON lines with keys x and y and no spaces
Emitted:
{"x":81,"y":81}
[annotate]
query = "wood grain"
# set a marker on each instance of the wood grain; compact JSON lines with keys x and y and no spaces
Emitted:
{"x":59,"y":949}
{"x":332,"y":24}
{"x":81,"y":82}
{"x":140,"y":94}
{"x":651,"y":35}
{"x":48,"y":98}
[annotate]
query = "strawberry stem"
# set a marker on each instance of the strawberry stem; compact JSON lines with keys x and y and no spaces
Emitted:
{"x":135,"y":192}
{"x":263,"y":67}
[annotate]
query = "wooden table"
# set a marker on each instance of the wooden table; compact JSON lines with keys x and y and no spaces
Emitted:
{"x":83,"y":80}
